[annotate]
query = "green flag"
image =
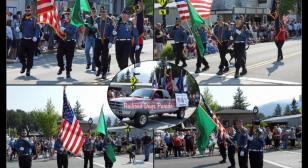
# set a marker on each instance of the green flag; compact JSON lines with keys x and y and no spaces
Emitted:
{"x":102,"y":128}
{"x":79,"y":7}
{"x":196,"y":21}
{"x":204,"y":126}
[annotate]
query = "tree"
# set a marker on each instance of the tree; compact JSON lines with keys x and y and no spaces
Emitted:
{"x":78,"y":111}
{"x":260,"y":116}
{"x":148,"y":10}
{"x":191,"y":84}
{"x":277,"y":111}
{"x":116,"y":122}
{"x":294,"y":108}
{"x":108,"y":122}
{"x":285,"y":6}
{"x":287,"y":110}
{"x":209,"y":98}
{"x":240,"y":100}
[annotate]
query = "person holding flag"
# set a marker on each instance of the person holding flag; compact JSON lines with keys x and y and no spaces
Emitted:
{"x":109,"y":156}
{"x":200,"y":59}
{"x":62,"y":155}
{"x":88,"y":150}
{"x":180,"y":40}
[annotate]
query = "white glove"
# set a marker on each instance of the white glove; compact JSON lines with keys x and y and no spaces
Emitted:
{"x":114,"y":33}
{"x":231,"y":38}
{"x":137,"y":47}
{"x":17,"y":29}
{"x":34,"y":39}
{"x":109,"y":45}
{"x":238,"y":32}
{"x":185,"y":44}
{"x":62,"y":29}
{"x":96,"y":25}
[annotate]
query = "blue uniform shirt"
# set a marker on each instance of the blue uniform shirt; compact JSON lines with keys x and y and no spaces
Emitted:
{"x":179,"y":34}
{"x":232,"y":140}
{"x":256,"y":141}
{"x":127,"y":31}
{"x":86,"y":145}
{"x":105,"y":28}
{"x":59,"y":148}
{"x":203,"y":35}
{"x":29,"y":28}
{"x":240,"y":34}
{"x":70,"y":30}
{"x":222,"y":32}
{"x":242,"y":136}
{"x":23,"y":147}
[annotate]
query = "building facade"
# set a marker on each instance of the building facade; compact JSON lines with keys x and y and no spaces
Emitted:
{"x":229,"y":117}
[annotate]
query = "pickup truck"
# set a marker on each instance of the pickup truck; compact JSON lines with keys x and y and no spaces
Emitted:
{"x":143,"y":103}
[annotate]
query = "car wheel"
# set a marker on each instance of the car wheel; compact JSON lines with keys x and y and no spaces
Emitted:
{"x":181,"y":113}
{"x":141,"y":120}
{"x":160,"y":115}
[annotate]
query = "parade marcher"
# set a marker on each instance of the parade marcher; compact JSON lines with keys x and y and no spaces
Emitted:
{"x":24,"y":150}
{"x":239,"y":36}
{"x":146,"y":143}
{"x":106,"y":142}
{"x":9,"y":36}
{"x":168,"y":142}
{"x":135,"y":54}
{"x":159,"y":39}
{"x":232,"y":142}
{"x":256,"y":144}
{"x":180,"y":39}
{"x":189,"y":143}
{"x":67,"y":46}
{"x":90,"y":31}
{"x":103,"y":42}
{"x":222,"y":33}
{"x":62,"y":155}
{"x":222,"y":147}
{"x":88,"y":150}
{"x":18,"y":35}
{"x":200,"y":59}
{"x":280,"y":37}
{"x":242,"y":148}
{"x":30,"y":34}
{"x":124,"y":32}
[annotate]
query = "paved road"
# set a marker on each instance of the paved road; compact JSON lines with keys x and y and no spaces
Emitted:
{"x":45,"y":69}
{"x":261,"y":64}
{"x":77,"y":162}
{"x":279,"y":159}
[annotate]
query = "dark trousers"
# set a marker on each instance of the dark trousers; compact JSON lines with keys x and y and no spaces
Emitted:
{"x":37,"y":50}
{"x":243,"y":160}
{"x":88,"y":157}
{"x":222,"y":151}
{"x":62,"y":160}
{"x":108,"y":162}
{"x":26,"y":55}
{"x":256,"y":159}
{"x":240,"y":55}
{"x":222,"y":48}
{"x":25,"y":161}
{"x":8,"y":45}
{"x":101,"y":52}
{"x":177,"y":151}
{"x":279,"y":45}
{"x":123,"y":49}
{"x":201,"y":59}
{"x":66,"y":48}
{"x":231,"y":153}
{"x":135,"y":55}
{"x":179,"y":47}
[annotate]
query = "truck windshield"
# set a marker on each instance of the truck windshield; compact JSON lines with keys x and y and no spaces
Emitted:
{"x":142,"y":93}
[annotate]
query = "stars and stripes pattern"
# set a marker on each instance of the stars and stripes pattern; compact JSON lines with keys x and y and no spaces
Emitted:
{"x":71,"y":134}
{"x":203,"y":7}
{"x":47,"y":13}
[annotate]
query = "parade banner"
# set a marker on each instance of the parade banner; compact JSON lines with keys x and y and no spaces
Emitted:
{"x":181,"y":100}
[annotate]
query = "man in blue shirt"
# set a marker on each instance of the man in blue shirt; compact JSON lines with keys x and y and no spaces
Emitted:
{"x":232,"y":142}
{"x":105,"y":143}
{"x":103,"y":42}
{"x":242,"y":145}
{"x":67,"y":46}
{"x":256,"y":144}
{"x":30,"y":34}
{"x":200,"y":59}
{"x":62,"y":155}
{"x":88,"y":150}
{"x":222,"y":33}
{"x":124,"y":32}
{"x":180,"y":40}
{"x":24,"y":150}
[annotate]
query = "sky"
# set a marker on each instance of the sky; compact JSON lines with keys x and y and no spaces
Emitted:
{"x":256,"y":95}
{"x":28,"y":98}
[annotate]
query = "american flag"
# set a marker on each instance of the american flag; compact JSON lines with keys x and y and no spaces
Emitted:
{"x":72,"y":137}
{"x":203,"y":7}
{"x":47,"y":13}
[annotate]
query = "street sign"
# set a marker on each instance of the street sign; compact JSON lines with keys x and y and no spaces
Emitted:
{"x":163,"y":3}
{"x":162,"y":11}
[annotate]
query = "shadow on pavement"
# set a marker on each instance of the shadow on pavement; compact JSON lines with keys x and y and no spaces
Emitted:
{"x":274,"y":67}
{"x":206,"y":165}
{"x":26,"y":78}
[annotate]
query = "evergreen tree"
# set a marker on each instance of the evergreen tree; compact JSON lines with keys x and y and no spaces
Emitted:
{"x":277,"y":111}
{"x":240,"y":100}
{"x":287,"y":110}
{"x":78,"y":111}
{"x":294,"y":108}
{"x":116,"y":122}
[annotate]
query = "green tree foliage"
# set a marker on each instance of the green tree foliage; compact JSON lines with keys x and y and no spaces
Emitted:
{"x":277,"y":111}
{"x":294,"y":107}
{"x":78,"y":111}
{"x":116,"y":122}
{"x":287,"y":110}
{"x":260,"y":116}
{"x":191,"y":84}
{"x":209,"y":98}
{"x":240,"y":100}
{"x":286,"y":6}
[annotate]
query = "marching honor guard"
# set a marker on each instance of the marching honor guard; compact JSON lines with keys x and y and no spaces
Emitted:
{"x":24,"y":150}
{"x":62,"y":155}
{"x":103,"y":42}
{"x":256,"y":143}
{"x":180,"y":39}
{"x":88,"y":150}
{"x":242,"y":148}
{"x":124,"y":33}
{"x":200,"y":59}
{"x":66,"y":46}
{"x":30,"y":34}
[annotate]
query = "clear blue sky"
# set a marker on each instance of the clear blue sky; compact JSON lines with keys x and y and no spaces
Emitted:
{"x":28,"y":98}
{"x":256,"y":95}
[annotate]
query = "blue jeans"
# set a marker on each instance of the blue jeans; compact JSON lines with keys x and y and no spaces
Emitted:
{"x":90,"y":42}
{"x":147,"y":151}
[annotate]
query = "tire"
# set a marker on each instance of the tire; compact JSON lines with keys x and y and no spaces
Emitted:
{"x":180,"y":114}
{"x":141,"y":120}
{"x":160,"y":115}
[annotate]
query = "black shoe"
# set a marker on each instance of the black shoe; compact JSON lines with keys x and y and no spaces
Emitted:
{"x":60,"y":71}
{"x":98,"y":72}
{"x":23,"y":69}
{"x":93,"y":69}
{"x":244,"y":72}
{"x":220,"y":72}
{"x":237,"y":73}
{"x":223,"y":161}
{"x":231,"y":167}
{"x":226,"y":70}
{"x":88,"y":66}
{"x":28,"y":72}
{"x":145,"y":160}
{"x":205,"y":68}
{"x":68,"y":75}
{"x":104,"y":76}
{"x":197,"y":70}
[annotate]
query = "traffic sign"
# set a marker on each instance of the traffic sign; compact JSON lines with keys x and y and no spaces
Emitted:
{"x":163,"y":3}
{"x":162,"y":11}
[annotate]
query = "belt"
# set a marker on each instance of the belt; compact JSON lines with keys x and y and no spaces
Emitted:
{"x":123,"y":39}
{"x":71,"y":40}
{"x":178,"y":42}
{"x":254,"y":150}
{"x":239,"y":42}
{"x":27,"y":38}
